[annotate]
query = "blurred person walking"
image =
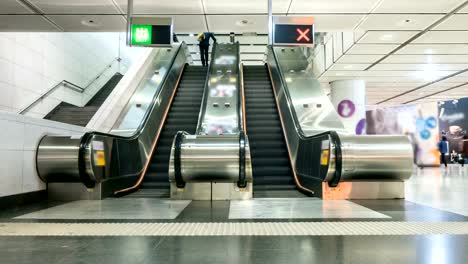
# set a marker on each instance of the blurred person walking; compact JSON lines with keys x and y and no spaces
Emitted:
{"x":443,"y":149}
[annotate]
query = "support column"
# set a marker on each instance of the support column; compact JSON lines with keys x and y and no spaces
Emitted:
{"x":349,"y":99}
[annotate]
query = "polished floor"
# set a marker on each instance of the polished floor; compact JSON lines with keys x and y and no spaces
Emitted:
{"x":441,"y":188}
{"x":429,"y":226}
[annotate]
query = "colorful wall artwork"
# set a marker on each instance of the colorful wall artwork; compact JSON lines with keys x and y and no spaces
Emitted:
{"x":419,"y":122}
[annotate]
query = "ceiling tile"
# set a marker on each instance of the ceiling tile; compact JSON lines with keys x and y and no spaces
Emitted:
{"x":336,"y":23}
{"x":437,"y":59}
{"x":12,"y":7}
{"x":418,"y":67}
{"x":434,"y":49}
{"x":78,"y":23}
{"x":76,"y":7}
{"x":460,"y":37}
{"x":244,"y":6}
{"x":371,"y":49}
{"x":238,"y":23}
{"x":173,"y":7}
{"x":189,"y":24}
{"x":27,"y":23}
{"x":348,"y":67}
{"x":350,"y":59}
{"x":455,"y":22}
{"x":408,"y":6}
{"x":387,"y":37}
{"x":397,"y":22}
{"x":332,"y":6}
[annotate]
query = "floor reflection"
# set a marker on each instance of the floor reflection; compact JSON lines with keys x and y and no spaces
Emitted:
{"x":440,"y":188}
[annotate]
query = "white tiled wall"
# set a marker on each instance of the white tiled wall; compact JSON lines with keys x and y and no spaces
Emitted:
{"x":19,"y":138}
{"x":32,"y":63}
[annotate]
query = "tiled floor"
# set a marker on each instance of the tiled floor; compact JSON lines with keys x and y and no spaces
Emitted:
{"x":435,"y":197}
{"x":441,"y":188}
{"x":137,"y":208}
{"x":302,"y":208}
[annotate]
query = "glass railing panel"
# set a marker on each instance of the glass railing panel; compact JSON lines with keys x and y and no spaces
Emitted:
{"x":137,"y":107}
{"x":313,"y":109}
{"x":220,"y":109}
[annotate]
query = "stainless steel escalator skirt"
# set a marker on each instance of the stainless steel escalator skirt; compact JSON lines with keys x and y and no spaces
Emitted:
{"x":376,"y":157}
{"x":314,"y":130}
{"x":97,"y":157}
{"x":205,"y":158}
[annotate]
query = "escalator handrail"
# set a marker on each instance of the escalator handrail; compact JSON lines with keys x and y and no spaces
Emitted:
{"x":240,"y":90}
{"x":151,"y":107}
{"x":333,"y":135}
{"x":89,"y":135}
{"x":297,"y":125}
{"x":206,"y":90}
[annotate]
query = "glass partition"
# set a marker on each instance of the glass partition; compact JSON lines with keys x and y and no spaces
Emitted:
{"x":313,"y":109}
{"x":137,"y":107}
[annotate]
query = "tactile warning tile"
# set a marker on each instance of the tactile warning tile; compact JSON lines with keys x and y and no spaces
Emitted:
{"x":234,"y":229}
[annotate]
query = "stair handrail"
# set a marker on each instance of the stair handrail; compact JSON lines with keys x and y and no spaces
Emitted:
{"x":69,"y":85}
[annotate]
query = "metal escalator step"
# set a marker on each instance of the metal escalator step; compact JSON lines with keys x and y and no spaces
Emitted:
{"x":270,"y":159}
{"x":182,"y":116}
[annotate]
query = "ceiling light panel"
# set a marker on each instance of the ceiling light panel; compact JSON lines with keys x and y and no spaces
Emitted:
{"x":398,"y":22}
{"x":386,"y":37}
{"x":170,"y":7}
{"x":76,"y":7}
{"x":244,"y":6}
{"x":427,"y":6}
{"x":332,"y":6}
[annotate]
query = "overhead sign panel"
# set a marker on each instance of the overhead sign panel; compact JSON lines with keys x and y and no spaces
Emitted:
{"x":293,"y":31}
{"x":151,"y":31}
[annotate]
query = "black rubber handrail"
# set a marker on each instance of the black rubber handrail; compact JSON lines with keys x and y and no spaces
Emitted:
{"x":332,"y":134}
{"x":88,"y":135}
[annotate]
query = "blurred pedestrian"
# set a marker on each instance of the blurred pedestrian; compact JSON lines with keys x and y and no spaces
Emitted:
{"x":443,"y":149}
{"x":204,"y":43}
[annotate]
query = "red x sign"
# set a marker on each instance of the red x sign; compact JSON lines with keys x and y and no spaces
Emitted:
{"x":303,"y":34}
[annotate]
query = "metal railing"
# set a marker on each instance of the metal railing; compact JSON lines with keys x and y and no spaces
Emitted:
{"x":70,"y":85}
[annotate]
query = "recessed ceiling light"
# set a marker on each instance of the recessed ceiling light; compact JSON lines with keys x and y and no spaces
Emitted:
{"x":90,"y":23}
{"x":191,"y":35}
{"x":350,"y":66}
{"x":243,"y":23}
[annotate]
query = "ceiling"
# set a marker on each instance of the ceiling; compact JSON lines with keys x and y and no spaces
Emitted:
{"x":406,"y":50}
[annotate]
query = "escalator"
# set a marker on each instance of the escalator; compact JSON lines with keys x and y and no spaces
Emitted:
{"x":80,"y":116}
{"x":182,"y":116}
{"x":271,"y":167}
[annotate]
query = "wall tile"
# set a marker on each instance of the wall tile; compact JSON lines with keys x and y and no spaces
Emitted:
{"x":11,"y":172}
{"x":31,"y":181}
{"x":11,"y":135}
